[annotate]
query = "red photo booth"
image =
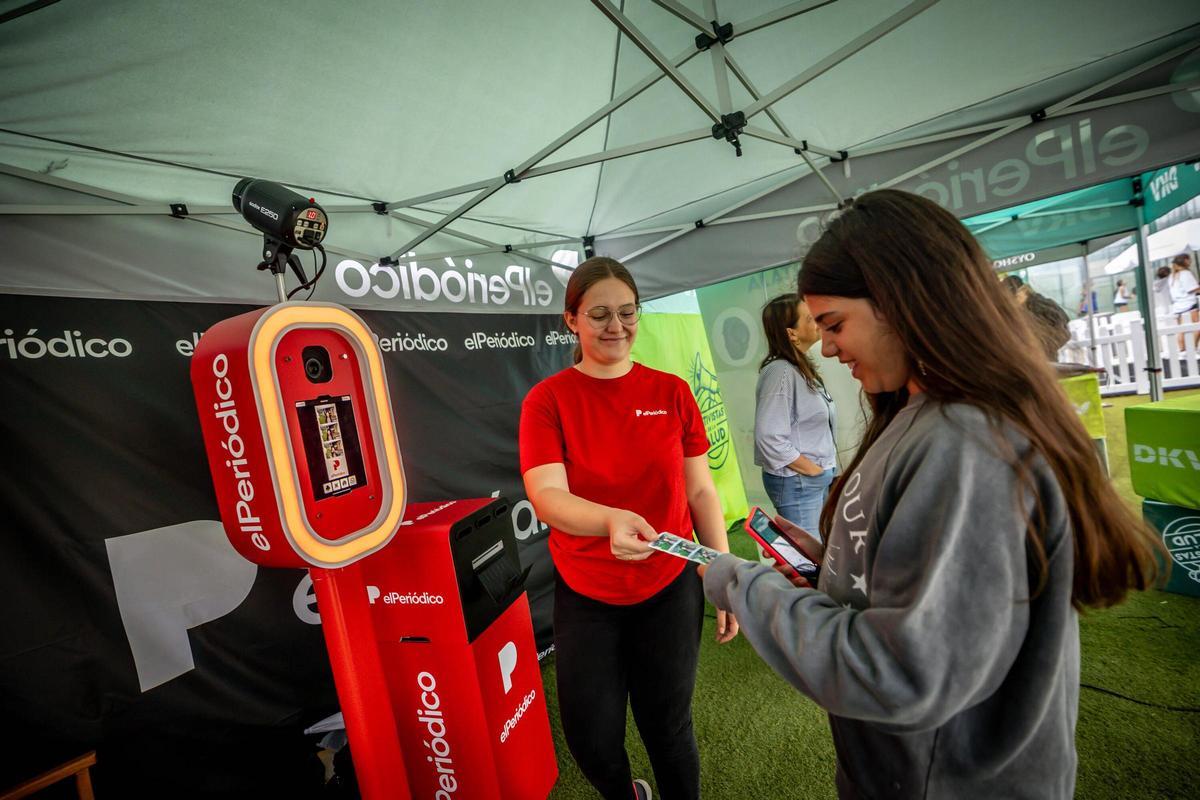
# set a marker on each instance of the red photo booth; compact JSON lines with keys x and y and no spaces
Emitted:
{"x":441,"y":697}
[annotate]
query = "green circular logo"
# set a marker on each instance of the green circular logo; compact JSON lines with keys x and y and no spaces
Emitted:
{"x":1182,"y":538}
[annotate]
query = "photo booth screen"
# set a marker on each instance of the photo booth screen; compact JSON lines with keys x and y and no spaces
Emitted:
{"x":331,"y":447}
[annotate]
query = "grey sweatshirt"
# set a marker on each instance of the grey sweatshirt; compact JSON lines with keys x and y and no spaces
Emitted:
{"x":941,"y":677}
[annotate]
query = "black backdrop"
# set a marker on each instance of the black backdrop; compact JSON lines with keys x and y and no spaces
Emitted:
{"x":101,"y":441}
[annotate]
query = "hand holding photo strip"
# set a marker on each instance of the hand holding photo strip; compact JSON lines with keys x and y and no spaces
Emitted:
{"x":679,"y":547}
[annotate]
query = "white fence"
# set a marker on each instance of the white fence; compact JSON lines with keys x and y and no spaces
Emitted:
{"x":1119,"y":346}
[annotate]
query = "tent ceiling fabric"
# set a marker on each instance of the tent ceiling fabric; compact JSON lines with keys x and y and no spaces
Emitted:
{"x":388,"y":101}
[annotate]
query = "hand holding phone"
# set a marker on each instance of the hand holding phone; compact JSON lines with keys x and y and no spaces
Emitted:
{"x":776,"y":544}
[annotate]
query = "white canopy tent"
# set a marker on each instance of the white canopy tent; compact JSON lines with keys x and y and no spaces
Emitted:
{"x":1183,"y":237}
{"x":459,"y":142}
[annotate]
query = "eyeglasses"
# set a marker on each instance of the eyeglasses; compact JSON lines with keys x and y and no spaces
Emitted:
{"x":600,"y":316}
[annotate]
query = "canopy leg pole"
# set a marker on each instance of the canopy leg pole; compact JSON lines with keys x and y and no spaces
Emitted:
{"x":1145,"y":298}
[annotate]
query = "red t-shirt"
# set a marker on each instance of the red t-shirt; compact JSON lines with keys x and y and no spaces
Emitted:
{"x":622,"y":441}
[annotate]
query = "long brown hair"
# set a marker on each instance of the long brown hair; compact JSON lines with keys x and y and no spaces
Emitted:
{"x":969,"y":342}
{"x":778,"y":315}
{"x":588,"y":274}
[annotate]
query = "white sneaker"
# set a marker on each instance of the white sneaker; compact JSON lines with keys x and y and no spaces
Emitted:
{"x":641,"y":790}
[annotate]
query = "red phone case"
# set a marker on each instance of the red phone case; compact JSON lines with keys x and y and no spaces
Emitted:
{"x":763,"y":544}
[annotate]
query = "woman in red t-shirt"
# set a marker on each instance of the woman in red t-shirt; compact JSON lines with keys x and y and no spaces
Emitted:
{"x":612,"y":452}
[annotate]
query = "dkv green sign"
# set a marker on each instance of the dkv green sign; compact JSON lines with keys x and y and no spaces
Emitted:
{"x":1164,"y":450}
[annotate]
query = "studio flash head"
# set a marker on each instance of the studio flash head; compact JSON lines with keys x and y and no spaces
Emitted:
{"x":280,"y":213}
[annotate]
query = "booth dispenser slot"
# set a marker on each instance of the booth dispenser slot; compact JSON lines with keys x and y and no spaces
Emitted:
{"x":486,"y":555}
{"x":500,"y":577}
{"x":414,"y":640}
{"x":461,"y":531}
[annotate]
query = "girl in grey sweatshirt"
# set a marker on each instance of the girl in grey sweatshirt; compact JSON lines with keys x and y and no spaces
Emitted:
{"x":973,"y":523}
{"x":941,"y":678}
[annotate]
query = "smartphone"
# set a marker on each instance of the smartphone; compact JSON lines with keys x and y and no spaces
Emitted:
{"x":778,"y":545}
{"x":679,"y":547}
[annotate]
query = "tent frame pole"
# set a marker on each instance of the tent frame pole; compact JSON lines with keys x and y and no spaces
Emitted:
{"x":433,"y":228}
{"x":716,"y":218}
{"x":699,"y":134}
{"x":686,"y":14}
{"x":800,"y":148}
{"x":1067,"y":102}
{"x":722,"y":62}
{"x":1154,"y":366}
{"x":490,"y":246}
{"x":755,"y":94}
{"x":608,"y":155}
{"x":717,"y":51}
{"x":779,"y":15}
{"x":604,"y":111}
{"x":644,"y":44}
{"x":838,"y":56}
{"x":1009,"y":126}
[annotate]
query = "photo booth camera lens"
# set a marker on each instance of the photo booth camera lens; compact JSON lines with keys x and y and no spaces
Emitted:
{"x":317,"y":367}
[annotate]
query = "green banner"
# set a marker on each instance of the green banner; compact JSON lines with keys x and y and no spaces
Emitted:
{"x":675,"y":343}
{"x":1084,"y":394}
{"x":1180,"y":531}
{"x":1164,"y":450}
{"x":1167,"y":189}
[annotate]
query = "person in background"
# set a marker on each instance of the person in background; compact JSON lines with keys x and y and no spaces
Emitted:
{"x":1120,"y":296}
{"x":1162,"y":292}
{"x":1050,"y":324}
{"x":1185,"y":304}
{"x":793,"y":416}
{"x":1083,"y":303}
{"x":1016,"y":287}
{"x":970,"y":528}
{"x":611,"y":453}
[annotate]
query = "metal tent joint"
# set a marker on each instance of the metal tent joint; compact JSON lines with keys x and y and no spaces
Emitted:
{"x":1138,"y":200}
{"x":834,"y":158}
{"x":511,"y":177}
{"x":699,"y":223}
{"x":589,"y":246}
{"x":179,"y":210}
{"x":1038,"y":115}
{"x":723,"y":34}
{"x":729,"y":128}
{"x":380,"y":208}
{"x":388,"y":261}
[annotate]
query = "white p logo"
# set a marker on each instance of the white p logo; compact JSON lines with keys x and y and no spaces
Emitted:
{"x":372,"y":594}
{"x":508,"y":662}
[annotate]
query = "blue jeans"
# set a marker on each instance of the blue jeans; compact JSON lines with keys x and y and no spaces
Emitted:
{"x":799,"y":498}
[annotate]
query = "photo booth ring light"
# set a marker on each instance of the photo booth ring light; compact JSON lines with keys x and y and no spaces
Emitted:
{"x":269,"y":330}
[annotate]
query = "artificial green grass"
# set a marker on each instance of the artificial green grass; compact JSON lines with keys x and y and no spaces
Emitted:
{"x":761,"y":738}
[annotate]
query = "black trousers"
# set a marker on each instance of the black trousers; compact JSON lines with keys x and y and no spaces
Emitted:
{"x":646,"y":654}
